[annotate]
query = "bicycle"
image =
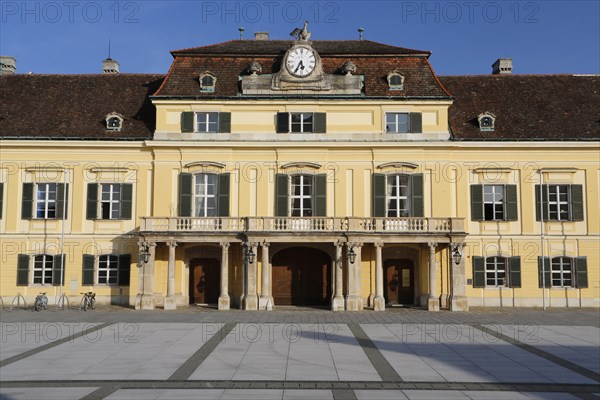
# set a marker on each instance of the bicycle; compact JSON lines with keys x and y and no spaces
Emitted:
{"x":88,"y":301}
{"x":41,"y":301}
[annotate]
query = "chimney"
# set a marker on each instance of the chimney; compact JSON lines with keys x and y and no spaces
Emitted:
{"x":261,"y":35}
{"x":8,"y":65}
{"x":502,"y":66}
{"x":110,"y":66}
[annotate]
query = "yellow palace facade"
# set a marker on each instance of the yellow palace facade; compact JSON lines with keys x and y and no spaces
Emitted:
{"x":266,"y":173}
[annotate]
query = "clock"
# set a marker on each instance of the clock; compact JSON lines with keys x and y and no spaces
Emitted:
{"x":300,"y":61}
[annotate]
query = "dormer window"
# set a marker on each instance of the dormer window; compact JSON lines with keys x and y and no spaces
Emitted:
{"x":487,"y":121}
{"x":114,"y":122}
{"x":207,"y":82}
{"x":395,"y":81}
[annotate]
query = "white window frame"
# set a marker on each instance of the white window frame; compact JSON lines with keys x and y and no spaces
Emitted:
{"x":114,"y":205}
{"x":302,"y":123}
{"x":110,"y":266}
{"x":561,"y":272}
{"x":398,"y":198}
{"x":206,"y":196}
{"x":44,"y":270}
{"x":46,"y":201}
{"x":495,"y":189}
{"x":395,"y":123}
{"x":558,"y":202}
{"x":198,"y":115}
{"x":497,"y":266}
{"x":302,"y":196}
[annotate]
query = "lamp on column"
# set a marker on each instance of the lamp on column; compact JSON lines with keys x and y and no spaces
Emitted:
{"x":456,"y":256}
{"x":351,"y":255}
{"x":145,"y":253}
{"x":250,"y":255}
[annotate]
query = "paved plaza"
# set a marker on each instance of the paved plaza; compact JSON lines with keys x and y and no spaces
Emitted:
{"x":199,"y":353}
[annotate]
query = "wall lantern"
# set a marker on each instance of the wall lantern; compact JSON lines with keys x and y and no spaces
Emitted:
{"x":351,"y":255}
{"x":250,"y":255}
{"x":456,"y":256}
{"x":145,"y":253}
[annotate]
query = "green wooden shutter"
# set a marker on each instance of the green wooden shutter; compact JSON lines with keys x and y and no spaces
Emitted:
{"x":511,"y":212}
{"x":581,"y":277}
{"x":58,"y":269}
{"x":416,"y":194}
{"x":88,"y":267}
{"x":576,"y":203}
{"x":124,"y":269}
{"x":27,"y":201}
{"x":545,"y":274}
{"x":281,"y":195}
{"x":23,"y":270}
{"x":185,"y":194}
{"x":478,"y":272}
{"x":378,"y":195}
{"x":187,"y":122}
{"x":320,"y":123}
{"x":543,"y":204}
{"x":283,"y":122}
{"x":62,"y":200}
{"x":224,"y":190}
{"x":416,"y":123}
{"x":476,"y":202}
{"x":225,"y":122}
{"x":320,"y":191}
{"x":126,"y":200}
{"x":514,"y":268}
{"x":1,"y":198}
{"x":91,"y":211}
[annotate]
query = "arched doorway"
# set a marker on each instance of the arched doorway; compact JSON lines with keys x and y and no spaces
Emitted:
{"x":205,"y":280}
{"x":301,"y":277}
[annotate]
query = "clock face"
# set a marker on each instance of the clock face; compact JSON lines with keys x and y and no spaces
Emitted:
{"x":301,"y":62}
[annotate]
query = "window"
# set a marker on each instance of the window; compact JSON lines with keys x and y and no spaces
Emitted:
{"x":495,"y":271}
{"x":301,"y":196}
{"x":403,"y":122}
{"x":106,"y":269}
{"x":42,"y":269}
{"x":109,"y":201}
{"x":494,"y":202}
{"x":559,"y":202}
{"x":114,"y":122}
{"x":395,"y":81}
{"x":206,"y":122}
{"x":398,"y":196}
{"x":562,"y":272}
{"x":301,"y":122}
{"x":207,"y":82}
{"x":487,"y":121}
{"x":46,"y":200}
{"x":205,"y":195}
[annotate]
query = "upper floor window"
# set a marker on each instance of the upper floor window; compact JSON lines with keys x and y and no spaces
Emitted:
{"x":398,"y":195}
{"x":403,"y":122}
{"x":562,"y":272}
{"x":49,"y":201}
{"x":203,"y":195}
{"x":301,"y":122}
{"x":496,"y":271}
{"x":208,"y":82}
{"x":494,"y":202}
{"x":41,"y":269}
{"x":559,"y":202}
{"x":109,"y":201}
{"x":106,"y":269}
{"x":487,"y":121}
{"x":114,"y":122}
{"x":395,"y":81}
{"x":301,"y":196}
{"x":206,"y":122}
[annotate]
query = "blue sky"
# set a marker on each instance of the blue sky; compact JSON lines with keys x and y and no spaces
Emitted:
{"x":465,"y":37}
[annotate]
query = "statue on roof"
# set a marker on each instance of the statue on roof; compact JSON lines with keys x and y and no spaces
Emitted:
{"x":301,"y":33}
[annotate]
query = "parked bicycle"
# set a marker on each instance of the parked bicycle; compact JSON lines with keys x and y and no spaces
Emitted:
{"x":88,"y":301}
{"x":41,"y":301}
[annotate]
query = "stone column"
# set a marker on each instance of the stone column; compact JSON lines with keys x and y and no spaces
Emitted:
{"x":170,"y":303}
{"x":337,"y":301}
{"x":265,"y":302}
{"x":379,"y":301}
{"x":433,"y":302}
{"x":458,"y":291}
{"x":224,"y":300}
{"x":145,"y":297}
{"x":251,"y":298}
{"x":354,"y":302}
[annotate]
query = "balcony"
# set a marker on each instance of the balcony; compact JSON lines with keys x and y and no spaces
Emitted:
{"x":331,"y":225}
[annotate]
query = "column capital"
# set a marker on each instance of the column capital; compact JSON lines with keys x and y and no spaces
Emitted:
{"x":379,"y":244}
{"x":432,"y":245}
{"x":225,"y":245}
{"x":251,"y":244}
{"x":265,"y":243}
{"x":143,"y":245}
{"x":339,"y":243}
{"x":171,"y":243}
{"x":355,"y":244}
{"x":460,"y":245}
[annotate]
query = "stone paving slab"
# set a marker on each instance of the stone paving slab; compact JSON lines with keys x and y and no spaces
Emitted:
{"x":28,"y":393}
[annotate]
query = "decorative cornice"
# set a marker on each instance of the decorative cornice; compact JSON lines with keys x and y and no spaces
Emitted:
{"x":205,"y":164}
{"x":303,"y":164}
{"x":398,"y":165}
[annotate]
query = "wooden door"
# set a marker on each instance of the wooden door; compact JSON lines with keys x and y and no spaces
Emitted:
{"x":205,"y":280}
{"x":398,"y":283}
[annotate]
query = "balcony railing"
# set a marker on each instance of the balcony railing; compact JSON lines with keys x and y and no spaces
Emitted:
{"x":302,"y":224}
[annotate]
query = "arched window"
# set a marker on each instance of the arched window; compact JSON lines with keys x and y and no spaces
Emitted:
{"x":395,"y":81}
{"x":114,"y":122}
{"x":487,"y":121}
{"x":208,"y":82}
